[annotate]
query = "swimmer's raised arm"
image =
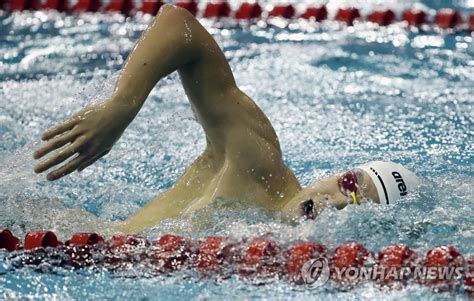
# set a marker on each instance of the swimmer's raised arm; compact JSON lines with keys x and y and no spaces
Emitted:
{"x":174,"y":41}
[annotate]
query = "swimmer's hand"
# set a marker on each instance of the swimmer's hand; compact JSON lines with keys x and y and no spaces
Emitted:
{"x":87,"y":136}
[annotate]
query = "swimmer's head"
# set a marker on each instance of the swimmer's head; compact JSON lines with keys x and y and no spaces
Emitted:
{"x":382,"y":182}
{"x":393,"y":181}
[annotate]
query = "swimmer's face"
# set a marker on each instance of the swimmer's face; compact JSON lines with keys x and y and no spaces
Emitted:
{"x":329,"y":192}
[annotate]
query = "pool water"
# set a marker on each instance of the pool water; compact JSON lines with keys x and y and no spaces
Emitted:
{"x":337,"y":97}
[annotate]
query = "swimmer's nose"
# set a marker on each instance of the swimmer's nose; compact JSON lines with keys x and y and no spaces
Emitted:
{"x":307,"y":207}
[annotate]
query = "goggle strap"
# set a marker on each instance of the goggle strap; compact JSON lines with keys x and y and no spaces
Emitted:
{"x":354,"y":198}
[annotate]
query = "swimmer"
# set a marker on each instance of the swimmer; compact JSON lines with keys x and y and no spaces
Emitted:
{"x":242,"y":159}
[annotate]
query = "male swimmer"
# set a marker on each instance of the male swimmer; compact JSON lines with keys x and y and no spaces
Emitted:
{"x":242,"y":159}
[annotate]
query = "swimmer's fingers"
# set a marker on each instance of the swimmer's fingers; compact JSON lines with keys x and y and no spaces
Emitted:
{"x":68,"y":167}
{"x":91,"y":161}
{"x":61,"y":155}
{"x":65,"y":126}
{"x":55,"y":143}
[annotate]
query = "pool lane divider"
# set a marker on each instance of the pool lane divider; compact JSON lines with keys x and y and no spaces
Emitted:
{"x":248,"y":11}
{"x":382,"y":17}
{"x":283,"y":11}
{"x":347,"y":15}
{"x":41,"y":239}
{"x":259,"y":257}
{"x":8,"y":241}
{"x":444,"y":18}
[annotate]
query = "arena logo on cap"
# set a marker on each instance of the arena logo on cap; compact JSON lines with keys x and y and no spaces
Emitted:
{"x":402,"y":187}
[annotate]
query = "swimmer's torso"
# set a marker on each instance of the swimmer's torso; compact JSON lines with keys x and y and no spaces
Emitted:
{"x":248,"y":168}
{"x":242,"y":160}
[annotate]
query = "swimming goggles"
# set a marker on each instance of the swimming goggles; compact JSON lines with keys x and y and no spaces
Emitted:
{"x":348,"y":185}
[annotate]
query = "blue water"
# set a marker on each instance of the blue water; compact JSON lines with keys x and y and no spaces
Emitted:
{"x":337,"y":97}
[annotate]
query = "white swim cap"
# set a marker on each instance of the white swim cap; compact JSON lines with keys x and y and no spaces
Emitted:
{"x":392,"y":180}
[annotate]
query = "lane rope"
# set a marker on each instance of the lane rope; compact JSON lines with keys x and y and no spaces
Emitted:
{"x":442,"y":268}
{"x":444,"y":19}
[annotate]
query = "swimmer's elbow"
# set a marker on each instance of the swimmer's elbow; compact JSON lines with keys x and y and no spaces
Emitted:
{"x":173,"y":13}
{"x":176,"y":25}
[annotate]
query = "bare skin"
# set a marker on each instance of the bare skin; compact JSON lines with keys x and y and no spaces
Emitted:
{"x":242,"y":160}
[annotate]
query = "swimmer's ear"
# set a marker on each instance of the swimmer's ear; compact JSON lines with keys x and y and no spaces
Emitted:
{"x":92,"y":161}
{"x":65,"y":126}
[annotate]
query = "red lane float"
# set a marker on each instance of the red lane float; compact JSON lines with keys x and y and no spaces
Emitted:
{"x":190,"y":6}
{"x":350,"y":254}
{"x":123,"y":250}
{"x":59,"y":5}
{"x":283,"y":11}
{"x":396,"y":256}
{"x":316,"y":13}
{"x":299,"y":254}
{"x":347,"y":258}
{"x":8,"y":241}
{"x":83,"y":239}
{"x":172,"y":251}
{"x":124,"y":7}
{"x":347,"y":15}
{"x":213,"y":254}
{"x":469,"y":276}
{"x":217,"y":10}
{"x":261,"y":257}
{"x":151,"y":6}
{"x":415,"y":17}
{"x":448,"y":18}
{"x":471,"y":22}
{"x":443,"y":256}
{"x":382,"y":17}
{"x":40,"y":239}
{"x":5,"y":5}
{"x":19,"y":5}
{"x":444,"y":260}
{"x":399,"y":259}
{"x":249,"y":11}
{"x":125,"y":242}
{"x":208,"y":257}
{"x":87,"y":6}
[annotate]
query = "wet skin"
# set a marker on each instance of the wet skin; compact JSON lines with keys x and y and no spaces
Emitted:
{"x":242,"y":159}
